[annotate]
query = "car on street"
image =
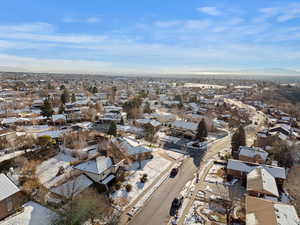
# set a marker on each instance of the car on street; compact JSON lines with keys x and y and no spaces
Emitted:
{"x":175,"y":206}
{"x":174,"y":172}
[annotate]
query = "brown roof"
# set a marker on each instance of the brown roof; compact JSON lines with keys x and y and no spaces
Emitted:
{"x":265,"y":212}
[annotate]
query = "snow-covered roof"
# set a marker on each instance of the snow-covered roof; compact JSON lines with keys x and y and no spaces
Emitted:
{"x":58,"y":117}
{"x":33,"y":214}
{"x":252,"y":152}
{"x":51,"y":133}
{"x":7,"y":187}
{"x":276,"y":172}
{"x":131,"y":129}
{"x":184,"y":125}
{"x":262,"y":181}
{"x":286,"y":214}
{"x":266,"y":212}
{"x":73,"y":187}
{"x":97,"y":166}
{"x":131,"y":146}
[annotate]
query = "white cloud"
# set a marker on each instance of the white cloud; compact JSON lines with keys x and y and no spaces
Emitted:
{"x":282,"y":13}
{"x":92,"y":19}
{"x":197,"y":24}
{"x":212,"y":11}
{"x":54,"y":65}
{"x":59,"y":38}
{"x":167,"y":24}
{"x":27,"y":27}
{"x":207,"y":43}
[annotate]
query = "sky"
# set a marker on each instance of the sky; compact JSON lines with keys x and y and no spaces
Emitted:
{"x":153,"y":36}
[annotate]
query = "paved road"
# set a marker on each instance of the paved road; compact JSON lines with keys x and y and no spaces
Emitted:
{"x":156,"y":211}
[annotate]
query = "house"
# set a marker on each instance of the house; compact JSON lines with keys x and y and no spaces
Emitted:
{"x":101,"y":170}
{"x":282,"y":128}
{"x":164,"y":117}
{"x":252,"y":154}
{"x":261,"y":183}
{"x":241,"y":169}
{"x":33,"y":214}
{"x":59,"y":119}
{"x":265,"y":138}
{"x":72,"y":187}
{"x":187,"y":129}
{"x":266,"y":212}
{"x":11,"y":197}
{"x":132,"y":148}
{"x":145,"y":122}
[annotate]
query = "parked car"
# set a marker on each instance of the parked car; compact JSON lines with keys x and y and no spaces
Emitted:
{"x":174,"y":172}
{"x":176,"y":204}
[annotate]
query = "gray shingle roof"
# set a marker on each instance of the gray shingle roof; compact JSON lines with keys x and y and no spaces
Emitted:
{"x":7,"y":187}
{"x":276,"y":172}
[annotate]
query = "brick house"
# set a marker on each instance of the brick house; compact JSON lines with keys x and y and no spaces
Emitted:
{"x":252,"y":154}
{"x":11,"y":197}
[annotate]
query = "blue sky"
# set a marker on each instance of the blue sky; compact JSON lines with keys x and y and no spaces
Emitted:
{"x":139,"y":36}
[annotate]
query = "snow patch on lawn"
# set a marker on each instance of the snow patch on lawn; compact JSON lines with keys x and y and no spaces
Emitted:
{"x":48,"y":170}
{"x":153,"y":168}
{"x":192,"y":218}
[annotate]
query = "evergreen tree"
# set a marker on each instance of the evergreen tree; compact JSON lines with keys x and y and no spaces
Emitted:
{"x":47,"y":109}
{"x":122,"y":121}
{"x":61,"y":109}
{"x":73,"y":98}
{"x":94,"y":90}
{"x":113,"y":93}
{"x":149,"y":133}
{"x":112,"y":129}
{"x":147,"y":108}
{"x":238,"y":139}
{"x":202,"y":130}
{"x":62,"y":87}
{"x":50,"y":86}
{"x":65,"y":97}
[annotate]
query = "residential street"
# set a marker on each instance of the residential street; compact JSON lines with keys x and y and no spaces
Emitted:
{"x":156,"y":211}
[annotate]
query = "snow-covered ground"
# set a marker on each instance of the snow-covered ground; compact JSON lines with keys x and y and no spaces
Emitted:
{"x":153,"y":168}
{"x":47,"y":170}
{"x":13,"y":155}
{"x":142,"y":201}
{"x":174,"y":155}
{"x":33,"y":214}
{"x":193,"y":218}
{"x":212,"y":176}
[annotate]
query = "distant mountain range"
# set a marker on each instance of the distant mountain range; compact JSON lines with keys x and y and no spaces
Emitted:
{"x":274,"y":71}
{"x":195,"y":73}
{"x":12,"y":69}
